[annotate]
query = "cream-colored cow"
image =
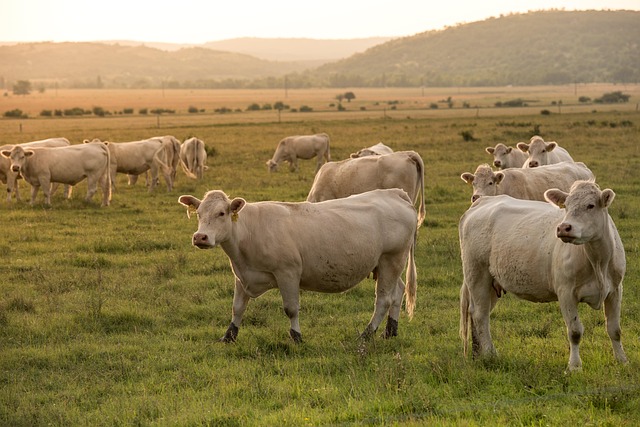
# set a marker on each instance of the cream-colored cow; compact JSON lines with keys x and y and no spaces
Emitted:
{"x":324,"y":247}
{"x":193,"y":158}
{"x":567,"y":250}
{"x":529,"y":184}
{"x":305,"y":147}
{"x":542,"y":153}
{"x":506,"y":157}
{"x":375,"y":150}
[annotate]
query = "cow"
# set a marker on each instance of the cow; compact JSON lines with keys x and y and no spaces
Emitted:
{"x":67,"y":165}
{"x":170,"y":155}
{"x":193,"y":158}
{"x":306,"y":147}
{"x":567,"y":250}
{"x":11,"y":178}
{"x":528,"y":184}
{"x":136,"y":157}
{"x":374,"y":150}
{"x":542,"y":153}
{"x":506,"y":157}
{"x":402,"y":169}
{"x":324,"y":247}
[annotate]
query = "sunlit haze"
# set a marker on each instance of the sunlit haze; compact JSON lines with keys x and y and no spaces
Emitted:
{"x":190,"y":21}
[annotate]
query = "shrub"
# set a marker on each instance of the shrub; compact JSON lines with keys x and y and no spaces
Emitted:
{"x":253,"y":107}
{"x":193,"y":109}
{"x":467,"y":135}
{"x":267,"y":107}
{"x":584,"y":99}
{"x":613,"y":98}
{"x":143,"y":111}
{"x":127,"y":110}
{"x":46,"y":113}
{"x":433,"y":106}
{"x":99,"y":111}
{"x":545,"y":112}
{"x":15,"y":113}
{"x":76,"y":111}
{"x":305,"y":109}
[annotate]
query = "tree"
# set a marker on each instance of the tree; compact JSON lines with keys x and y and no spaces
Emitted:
{"x":349,"y":96}
{"x":22,"y":87}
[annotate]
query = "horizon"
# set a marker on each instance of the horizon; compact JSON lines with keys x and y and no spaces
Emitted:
{"x":75,"y":20}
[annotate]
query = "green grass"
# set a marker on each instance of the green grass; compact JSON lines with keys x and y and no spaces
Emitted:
{"x":108,"y":316}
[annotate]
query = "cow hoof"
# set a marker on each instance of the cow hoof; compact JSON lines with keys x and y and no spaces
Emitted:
{"x":231,"y":334}
{"x":295,"y":336}
{"x":367,"y":334}
{"x":392,"y":328}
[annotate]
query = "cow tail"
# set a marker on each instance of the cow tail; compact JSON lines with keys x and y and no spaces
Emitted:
{"x":422,"y":212}
{"x":328,"y":153}
{"x":186,"y":170}
{"x":464,"y":317}
{"x":411,"y":279}
{"x":106,"y":176}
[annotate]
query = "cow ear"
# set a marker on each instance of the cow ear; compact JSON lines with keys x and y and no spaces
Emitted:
{"x":490,"y":150}
{"x":237,"y":204}
{"x":467,"y":177}
{"x":509,"y":149}
{"x":523,"y":146}
{"x":607,"y":197}
{"x":192,"y":203}
{"x":6,"y":153}
{"x":556,"y":197}
{"x":551,"y":146}
{"x":499,"y":176}
{"x":85,"y":141}
{"x":354,"y":155}
{"x":29,"y":153}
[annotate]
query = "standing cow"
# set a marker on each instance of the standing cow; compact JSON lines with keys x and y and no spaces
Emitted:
{"x":506,"y":157}
{"x":10,"y":177}
{"x":324,"y":247}
{"x":193,"y":158}
{"x":542,"y":153}
{"x":529,"y":184}
{"x":374,"y":150}
{"x":402,"y":169}
{"x":540,"y":253}
{"x":305,"y":147}
{"x":66,"y":165}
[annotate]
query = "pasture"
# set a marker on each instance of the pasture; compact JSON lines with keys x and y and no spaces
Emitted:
{"x":108,"y":316}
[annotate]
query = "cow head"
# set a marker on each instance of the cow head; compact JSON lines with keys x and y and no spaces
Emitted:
{"x":586,"y":213}
{"x":499,"y":153}
{"x":538,"y":151}
{"x":484,"y":181}
{"x":216,"y":215}
{"x":18,"y":157}
{"x":272,"y":166}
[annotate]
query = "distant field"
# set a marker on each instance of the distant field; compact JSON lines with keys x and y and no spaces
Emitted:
{"x":108,"y":316}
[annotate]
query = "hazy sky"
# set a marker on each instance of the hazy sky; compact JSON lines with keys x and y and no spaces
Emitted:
{"x":199,"y":21}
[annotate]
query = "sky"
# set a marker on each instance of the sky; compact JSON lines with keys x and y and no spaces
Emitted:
{"x":200,"y":21}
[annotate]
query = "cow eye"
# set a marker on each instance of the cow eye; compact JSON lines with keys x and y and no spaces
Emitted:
{"x":591,"y":206}
{"x":221,"y":214}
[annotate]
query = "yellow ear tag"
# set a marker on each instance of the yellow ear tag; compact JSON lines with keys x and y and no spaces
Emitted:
{"x":234,"y":216}
{"x":561,"y":205}
{"x":191,"y":209}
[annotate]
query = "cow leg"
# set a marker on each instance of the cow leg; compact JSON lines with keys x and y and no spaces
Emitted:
{"x":386,"y":291}
{"x":92,"y":187}
{"x":34,"y":192}
{"x":482,"y":300}
{"x":293,"y":164}
{"x":569,"y":309}
{"x":240,"y":301}
{"x":290,"y":292}
{"x":132,"y":179}
{"x":394,"y":312}
{"x":12,"y":185}
{"x":154,"y":177}
{"x":612,"y":315}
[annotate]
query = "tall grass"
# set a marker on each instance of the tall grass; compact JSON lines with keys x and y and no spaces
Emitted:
{"x":108,"y":316}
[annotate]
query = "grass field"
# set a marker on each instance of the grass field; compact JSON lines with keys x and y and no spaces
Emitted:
{"x":108,"y":316}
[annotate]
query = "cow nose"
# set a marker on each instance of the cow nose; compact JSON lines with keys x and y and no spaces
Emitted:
{"x":15,"y":168}
{"x":533,"y":164}
{"x":563,"y":229}
{"x":474,"y":198}
{"x":497,"y":163}
{"x":200,"y":238}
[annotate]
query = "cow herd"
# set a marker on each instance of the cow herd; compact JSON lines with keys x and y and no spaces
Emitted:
{"x":538,"y":226}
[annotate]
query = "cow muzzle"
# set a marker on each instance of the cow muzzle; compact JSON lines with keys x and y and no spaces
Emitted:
{"x":565,"y":233}
{"x":15,"y":168}
{"x":202,"y":241}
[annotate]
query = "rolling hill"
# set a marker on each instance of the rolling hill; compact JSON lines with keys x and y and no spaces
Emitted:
{"x":544,"y":47}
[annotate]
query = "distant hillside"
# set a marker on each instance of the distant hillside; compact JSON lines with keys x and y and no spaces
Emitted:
{"x":547,"y":47}
{"x":301,"y":49}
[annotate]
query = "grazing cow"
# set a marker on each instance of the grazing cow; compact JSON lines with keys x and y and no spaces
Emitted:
{"x":543,"y":153}
{"x":67,"y":165}
{"x":374,"y":150}
{"x":506,"y":157}
{"x":137,"y":157}
{"x":402,"y":169}
{"x":193,"y":158}
{"x":540,"y":253}
{"x":305,"y":147}
{"x":529,"y":184}
{"x":324,"y":247}
{"x":11,"y":178}
{"x":170,"y":155}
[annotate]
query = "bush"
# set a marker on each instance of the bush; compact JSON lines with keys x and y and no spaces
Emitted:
{"x":76,"y":111}
{"x":46,"y":113}
{"x":545,"y":112}
{"x":99,"y":111}
{"x":193,"y":109}
{"x":305,"y":109}
{"x":143,"y":111}
{"x":613,"y":98}
{"x":584,"y":99}
{"x":16,"y":114}
{"x":267,"y":107}
{"x":253,"y":107}
{"x":127,"y":110}
{"x":467,"y":135}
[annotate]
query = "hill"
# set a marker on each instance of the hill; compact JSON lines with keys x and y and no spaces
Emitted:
{"x":536,"y":48}
{"x":546,"y":47}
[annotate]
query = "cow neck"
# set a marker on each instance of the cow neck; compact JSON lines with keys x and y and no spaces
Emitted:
{"x":599,"y":252}
{"x":239,"y":233}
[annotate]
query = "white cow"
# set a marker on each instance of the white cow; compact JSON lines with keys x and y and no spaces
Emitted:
{"x":11,"y":178}
{"x":324,"y":247}
{"x":529,"y":184}
{"x":170,"y":156}
{"x":193,"y":158}
{"x":67,"y":165}
{"x":374,"y":150}
{"x":305,"y":147}
{"x":506,"y":157}
{"x":541,"y":253}
{"x":137,"y":157}
{"x":402,"y":169}
{"x":542,"y":153}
